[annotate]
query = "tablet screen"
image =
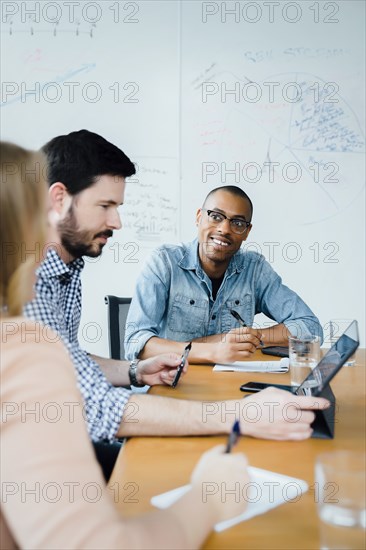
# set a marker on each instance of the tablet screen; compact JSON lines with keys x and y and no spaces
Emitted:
{"x":332,"y":361}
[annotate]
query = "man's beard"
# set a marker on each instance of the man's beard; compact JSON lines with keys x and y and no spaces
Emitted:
{"x":216,"y":256}
{"x":77,"y":242}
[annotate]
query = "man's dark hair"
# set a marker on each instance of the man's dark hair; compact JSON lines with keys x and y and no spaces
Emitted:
{"x":234,"y":190}
{"x":79,"y":158}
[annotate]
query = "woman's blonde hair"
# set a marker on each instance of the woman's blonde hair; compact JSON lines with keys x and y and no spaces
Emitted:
{"x":23,"y":224}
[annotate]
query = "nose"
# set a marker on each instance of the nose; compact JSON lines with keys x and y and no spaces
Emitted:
{"x":114,"y":220}
{"x":224,"y":226}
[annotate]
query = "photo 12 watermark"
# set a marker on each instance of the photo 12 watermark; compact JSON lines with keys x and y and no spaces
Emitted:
{"x":70,"y":12}
{"x":71,"y":492}
{"x":270,"y":92}
{"x":53,"y":412}
{"x":252,"y":412}
{"x":269,"y":172}
{"x":69,"y":91}
{"x":270,"y":12}
{"x":251,"y":492}
{"x":121,"y":253}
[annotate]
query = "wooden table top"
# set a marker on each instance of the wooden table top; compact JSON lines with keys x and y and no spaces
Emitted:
{"x":147,"y":466}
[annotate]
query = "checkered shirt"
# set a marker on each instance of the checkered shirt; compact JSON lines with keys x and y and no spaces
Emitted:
{"x":58,"y":305}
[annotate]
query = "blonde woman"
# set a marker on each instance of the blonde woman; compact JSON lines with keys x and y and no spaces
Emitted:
{"x":46,"y":457}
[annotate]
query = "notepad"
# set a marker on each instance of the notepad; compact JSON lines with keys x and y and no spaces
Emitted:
{"x":264,"y":491}
{"x":254,"y":366}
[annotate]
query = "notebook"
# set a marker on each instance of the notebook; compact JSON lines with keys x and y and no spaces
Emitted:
{"x":254,"y":366}
{"x":265,"y":490}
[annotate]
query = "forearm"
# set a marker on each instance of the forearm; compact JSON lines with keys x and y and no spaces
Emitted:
{"x":275,"y":336}
{"x":187,"y":510}
{"x":147,"y":415}
{"x":115,"y":371}
{"x":202,"y":350}
{"x":186,"y":524}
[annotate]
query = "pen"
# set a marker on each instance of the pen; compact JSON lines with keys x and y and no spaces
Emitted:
{"x":186,"y":351}
{"x":233,"y":436}
{"x":241,"y":321}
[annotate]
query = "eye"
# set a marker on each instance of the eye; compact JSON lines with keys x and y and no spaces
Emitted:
{"x":238,"y":223}
{"x":216,"y":216}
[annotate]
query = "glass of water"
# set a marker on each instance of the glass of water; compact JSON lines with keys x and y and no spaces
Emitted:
{"x":304,"y":355}
{"x":340,"y":494}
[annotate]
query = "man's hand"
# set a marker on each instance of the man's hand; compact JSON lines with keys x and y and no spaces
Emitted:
{"x":278,"y":414}
{"x":236,"y":345}
{"x":160,"y":369}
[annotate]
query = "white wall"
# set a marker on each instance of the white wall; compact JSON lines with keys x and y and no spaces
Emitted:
{"x":155,"y":78}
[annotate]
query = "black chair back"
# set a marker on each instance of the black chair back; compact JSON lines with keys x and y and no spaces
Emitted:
{"x":117,"y":314}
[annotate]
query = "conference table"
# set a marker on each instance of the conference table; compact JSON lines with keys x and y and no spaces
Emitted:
{"x":148,"y":466}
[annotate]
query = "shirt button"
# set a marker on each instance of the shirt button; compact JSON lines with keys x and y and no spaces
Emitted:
{"x":191,"y":302}
{"x":213,"y":317}
{"x":237,"y":302}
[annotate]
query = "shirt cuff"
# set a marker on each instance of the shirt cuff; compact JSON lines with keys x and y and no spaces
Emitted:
{"x":302,"y":329}
{"x":137,"y":344}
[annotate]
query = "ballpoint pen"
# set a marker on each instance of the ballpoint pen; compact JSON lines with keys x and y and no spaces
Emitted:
{"x":241,"y":321}
{"x":233,"y":436}
{"x":186,"y":351}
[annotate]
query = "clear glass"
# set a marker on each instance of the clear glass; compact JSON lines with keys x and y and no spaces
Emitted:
{"x":340,"y":494}
{"x":304,"y":355}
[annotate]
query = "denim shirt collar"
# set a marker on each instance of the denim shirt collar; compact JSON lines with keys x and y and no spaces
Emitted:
{"x":191,"y":261}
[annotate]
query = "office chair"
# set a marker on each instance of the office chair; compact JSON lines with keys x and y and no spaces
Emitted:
{"x":107,"y":453}
{"x":117,"y":315}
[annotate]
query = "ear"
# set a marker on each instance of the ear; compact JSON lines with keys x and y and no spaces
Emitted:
{"x":59,"y":197}
{"x":246,"y":233}
{"x":198,"y":216}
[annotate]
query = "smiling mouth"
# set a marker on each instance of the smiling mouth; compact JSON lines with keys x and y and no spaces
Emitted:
{"x":219,"y":242}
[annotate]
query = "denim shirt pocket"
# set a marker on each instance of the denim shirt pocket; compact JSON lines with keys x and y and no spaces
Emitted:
{"x":244,"y":306}
{"x":188,"y":316}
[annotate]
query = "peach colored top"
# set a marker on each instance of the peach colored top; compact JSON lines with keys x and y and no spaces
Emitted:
{"x":53,"y":492}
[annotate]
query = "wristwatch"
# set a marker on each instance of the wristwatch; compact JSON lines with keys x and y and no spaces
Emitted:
{"x":132,"y":374}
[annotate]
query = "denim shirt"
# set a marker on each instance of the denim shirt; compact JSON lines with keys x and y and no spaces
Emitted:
{"x":173,"y":298}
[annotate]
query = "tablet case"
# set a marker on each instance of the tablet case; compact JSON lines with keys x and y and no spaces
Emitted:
{"x":323,"y":424}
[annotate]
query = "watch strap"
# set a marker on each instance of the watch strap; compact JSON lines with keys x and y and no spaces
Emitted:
{"x":132,"y":372}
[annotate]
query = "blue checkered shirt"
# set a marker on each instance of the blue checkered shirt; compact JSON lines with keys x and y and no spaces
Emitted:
{"x":58,"y":305}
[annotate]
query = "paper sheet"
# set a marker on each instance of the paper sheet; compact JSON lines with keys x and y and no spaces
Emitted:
{"x":266,"y":490}
{"x":255,"y":366}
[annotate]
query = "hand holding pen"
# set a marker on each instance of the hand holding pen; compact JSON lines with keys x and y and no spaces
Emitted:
{"x":233,"y":436}
{"x":216,"y":471}
{"x":241,"y":321}
{"x":186,"y":351}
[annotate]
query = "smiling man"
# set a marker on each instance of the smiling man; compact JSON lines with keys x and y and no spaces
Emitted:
{"x":186,"y":292}
{"x":86,"y":175}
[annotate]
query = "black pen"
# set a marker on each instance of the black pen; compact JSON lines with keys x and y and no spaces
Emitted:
{"x":187,"y":349}
{"x":241,"y":321}
{"x":233,"y":436}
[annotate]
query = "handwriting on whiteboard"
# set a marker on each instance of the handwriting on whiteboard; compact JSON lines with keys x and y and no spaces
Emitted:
{"x":150,"y":214}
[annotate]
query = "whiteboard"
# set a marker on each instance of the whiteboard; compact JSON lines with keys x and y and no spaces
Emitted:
{"x":265,"y":95}
{"x":273,"y":101}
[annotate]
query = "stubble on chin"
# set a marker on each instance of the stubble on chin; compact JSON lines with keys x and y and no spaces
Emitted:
{"x":211,"y":251}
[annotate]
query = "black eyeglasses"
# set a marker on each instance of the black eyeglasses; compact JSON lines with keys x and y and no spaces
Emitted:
{"x":238,"y":225}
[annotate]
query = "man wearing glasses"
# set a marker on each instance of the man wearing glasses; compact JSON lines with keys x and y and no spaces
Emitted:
{"x":187,"y":292}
